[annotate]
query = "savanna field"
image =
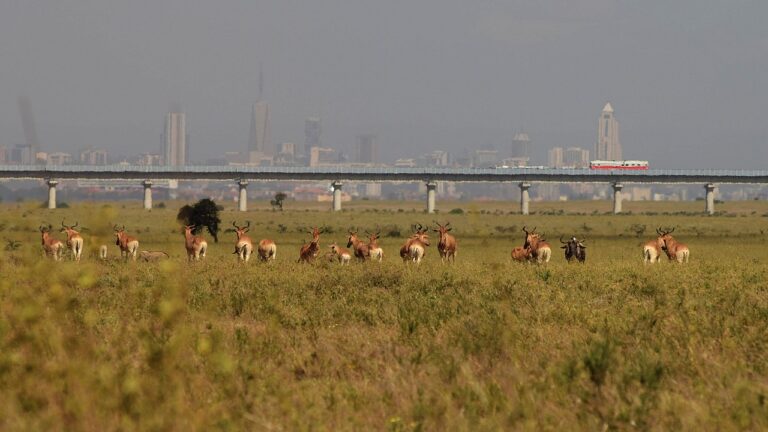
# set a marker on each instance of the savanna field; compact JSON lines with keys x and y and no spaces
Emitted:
{"x":484,"y":344}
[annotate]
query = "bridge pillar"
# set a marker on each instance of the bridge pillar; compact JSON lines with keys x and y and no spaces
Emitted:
{"x":617,"y":187}
{"x":51,"y":193}
{"x":147,"y":194}
{"x":710,"y":206}
{"x":431,"y":193}
{"x":336,"y":195}
{"x":242,"y":200}
{"x":525,"y":198}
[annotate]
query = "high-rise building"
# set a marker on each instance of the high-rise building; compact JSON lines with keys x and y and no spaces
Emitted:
{"x":486,"y":158}
{"x":175,"y":139}
{"x":576,"y":157}
{"x":312,"y":130}
{"x":521,"y":146}
{"x":608,"y":145}
{"x":366,"y":151}
{"x":91,"y":156}
{"x":555,"y":157}
{"x":259,"y":140}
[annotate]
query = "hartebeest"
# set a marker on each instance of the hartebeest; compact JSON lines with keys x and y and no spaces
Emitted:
{"x":374,"y":250}
{"x":358,"y":246}
{"x":243,"y":245}
{"x":447,"y":243}
{"x":196,"y":246}
{"x":129,"y":245}
{"x":74,"y":240}
{"x":342,"y":254}
{"x":267,"y":250}
{"x":652,"y":249}
{"x":521,"y":254}
{"x":51,"y":246}
{"x":574,"y":249}
{"x":415,"y":247}
{"x":675,"y":250}
{"x":541,"y":252}
{"x":309,"y":251}
{"x":151,"y":256}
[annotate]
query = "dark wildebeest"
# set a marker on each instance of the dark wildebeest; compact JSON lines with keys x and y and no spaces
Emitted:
{"x":574,"y":249}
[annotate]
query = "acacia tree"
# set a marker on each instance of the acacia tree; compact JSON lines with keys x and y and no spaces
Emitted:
{"x":204,"y":213}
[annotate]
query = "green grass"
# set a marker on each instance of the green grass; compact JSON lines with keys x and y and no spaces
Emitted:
{"x":485,"y":344}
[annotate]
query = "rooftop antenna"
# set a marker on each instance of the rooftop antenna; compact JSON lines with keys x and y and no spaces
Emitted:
{"x":261,"y":83}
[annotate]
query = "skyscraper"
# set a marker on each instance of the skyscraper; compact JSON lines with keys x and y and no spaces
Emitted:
{"x":175,"y":139}
{"x":259,"y":140}
{"x":312,"y":132}
{"x":555,"y":157}
{"x":608,"y":145}
{"x":366,"y":151}
{"x":521,"y":146}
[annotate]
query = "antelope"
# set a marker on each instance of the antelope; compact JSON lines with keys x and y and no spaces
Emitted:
{"x":342,"y":254}
{"x":540,"y":249}
{"x":51,"y":246}
{"x":129,"y":245}
{"x":652,"y":248}
{"x":415,"y":247}
{"x":376,"y":252}
{"x":361,"y":249}
{"x":103,"y":252}
{"x":309,"y":251}
{"x":521,"y":254}
{"x":196,"y":245}
{"x":149,"y":256}
{"x":574,"y":249}
{"x":447,"y":244}
{"x":267,"y":250}
{"x":244,"y":245}
{"x":675,"y":250}
{"x":74,"y":240}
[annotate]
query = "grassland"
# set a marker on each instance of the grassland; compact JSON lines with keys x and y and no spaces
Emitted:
{"x":485,"y":344}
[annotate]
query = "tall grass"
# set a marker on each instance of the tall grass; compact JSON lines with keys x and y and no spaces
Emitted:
{"x":482,"y":344}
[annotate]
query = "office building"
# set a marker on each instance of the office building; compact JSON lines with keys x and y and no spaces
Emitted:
{"x":312,"y":131}
{"x":576,"y":157}
{"x":608,"y":144}
{"x":365,"y":150}
{"x":521,"y":146}
{"x":175,"y":140}
{"x":259,"y":139}
{"x":555,"y":157}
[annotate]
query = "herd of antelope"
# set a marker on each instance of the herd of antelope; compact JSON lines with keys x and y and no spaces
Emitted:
{"x":535,"y":248}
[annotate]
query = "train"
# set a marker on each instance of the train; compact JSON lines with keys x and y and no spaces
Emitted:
{"x":618,"y":165}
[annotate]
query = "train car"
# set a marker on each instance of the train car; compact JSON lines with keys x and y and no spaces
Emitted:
{"x":618,"y":165}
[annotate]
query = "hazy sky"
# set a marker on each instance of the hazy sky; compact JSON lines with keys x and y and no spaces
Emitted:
{"x":688,"y":78}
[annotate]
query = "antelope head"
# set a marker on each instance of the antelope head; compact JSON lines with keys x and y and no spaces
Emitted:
{"x":240,"y":231}
{"x":69,"y":229}
{"x":352,"y":239}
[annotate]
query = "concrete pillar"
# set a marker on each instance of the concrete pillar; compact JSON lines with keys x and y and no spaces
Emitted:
{"x":431,"y":192}
{"x":51,"y":193}
{"x":242,"y":201}
{"x":336,"y":195}
{"x":147,"y":194}
{"x":525,"y":197}
{"x":617,"y":187}
{"x":710,"y":188}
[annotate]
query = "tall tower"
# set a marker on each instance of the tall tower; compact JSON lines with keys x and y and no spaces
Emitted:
{"x":175,"y":139}
{"x":312,"y":130}
{"x":259,"y":140}
{"x":521,"y":146}
{"x":608,"y":145}
{"x":366,"y":149}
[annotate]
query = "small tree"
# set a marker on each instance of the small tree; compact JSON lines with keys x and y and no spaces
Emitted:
{"x":205,"y":213}
{"x":278,"y":201}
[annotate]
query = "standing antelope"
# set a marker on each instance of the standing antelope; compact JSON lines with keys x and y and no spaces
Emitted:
{"x":129,"y":245}
{"x":243,"y":245}
{"x":541,"y":252}
{"x":361,"y":249}
{"x":267,"y":250}
{"x":196,"y":245}
{"x":652,"y":248}
{"x":342,"y":254}
{"x":415,"y":247}
{"x":375,"y":251}
{"x":74,"y":240}
{"x":447,"y":244}
{"x":51,"y":246}
{"x":309,"y":251}
{"x":675,"y":250}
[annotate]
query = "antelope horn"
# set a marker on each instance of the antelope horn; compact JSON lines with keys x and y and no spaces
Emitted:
{"x":247,"y":224}
{"x":75,"y":225}
{"x":525,"y":230}
{"x":116,"y":228}
{"x":673,"y":230}
{"x":561,"y":240}
{"x":234,"y":225}
{"x":62,"y":224}
{"x":658,"y":231}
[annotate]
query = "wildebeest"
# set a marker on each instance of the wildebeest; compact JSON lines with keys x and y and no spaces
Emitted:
{"x":574,"y":249}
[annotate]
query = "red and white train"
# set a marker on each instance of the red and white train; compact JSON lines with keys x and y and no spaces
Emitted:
{"x":618,"y":165}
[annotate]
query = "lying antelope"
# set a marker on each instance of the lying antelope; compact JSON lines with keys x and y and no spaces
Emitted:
{"x":521,"y":254}
{"x":574,"y":249}
{"x":675,"y":250}
{"x":129,"y":245}
{"x":541,"y":252}
{"x":342,"y":254}
{"x":243,"y":245}
{"x":310,"y":251}
{"x":150,"y":256}
{"x":51,"y":246}
{"x":375,"y":251}
{"x":415,"y":247}
{"x":74,"y":240}
{"x":652,"y":248}
{"x":196,"y":246}
{"x":447,"y":243}
{"x":361,"y":249}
